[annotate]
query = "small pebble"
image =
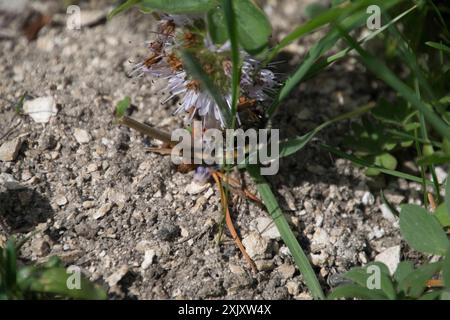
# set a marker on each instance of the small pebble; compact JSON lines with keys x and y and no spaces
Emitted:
{"x":114,"y":278}
{"x":10,"y":150}
{"x":390,"y":257}
{"x":368,"y":199}
{"x":149,"y":256}
{"x":8,"y":181}
{"x":61,"y":200}
{"x":255,"y":245}
{"x":196,"y":188}
{"x":88,"y":204}
{"x":104,"y":209}
{"x":81,"y":135}
{"x":41,"y":109}
{"x":267,"y":228}
{"x":286,"y":270}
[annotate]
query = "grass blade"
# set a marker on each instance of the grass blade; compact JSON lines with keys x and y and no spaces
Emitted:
{"x":123,"y":7}
{"x":286,"y":233}
{"x":311,"y":59}
{"x":291,"y":146}
{"x":439,"y":46}
{"x":230,"y":19}
{"x":385,"y":74}
{"x":331,"y":15}
{"x":196,"y":71}
{"x":366,"y":164}
{"x":343,"y":53}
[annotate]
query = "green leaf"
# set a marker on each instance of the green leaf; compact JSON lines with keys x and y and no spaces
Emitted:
{"x":10,"y":261}
{"x":384,"y":73}
{"x":321,"y":65}
{"x":439,"y":46}
{"x":367,"y":164}
{"x":446,"y":269}
{"x":230,"y":18}
{"x":312,"y":58}
{"x":123,"y":7}
{"x":447,"y":196}
{"x":441,"y":213}
{"x":122,"y":107}
{"x":394,"y":113}
{"x":312,"y":10}
{"x":254,"y":29}
{"x":433,"y":295}
{"x":355,"y":291}
{"x":178,"y":6}
{"x":55,"y":281}
{"x":293,"y":145}
{"x":446,"y":146}
{"x":361,"y":275}
{"x":422,"y":231}
{"x":319,"y":21}
{"x":290,"y":146}
{"x":415,"y":283}
{"x":18,"y":107}
{"x":286,"y":233}
{"x":437,"y":157}
{"x":216,"y":26}
{"x":335,"y":3}
{"x":24,"y":276}
{"x":404,"y":269}
{"x":308,"y":62}
{"x":386,"y":160}
{"x":445,"y":295}
{"x":357,"y":9}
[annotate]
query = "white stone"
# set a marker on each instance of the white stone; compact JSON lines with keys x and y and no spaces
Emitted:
{"x":264,"y":265}
{"x":293,"y":287}
{"x":368,"y":199}
{"x":149,"y":256}
{"x":104,"y":209}
{"x":41,"y":109}
{"x":255,"y":245}
{"x":92,"y":167}
{"x":196,"y":188}
{"x":235,"y":269}
{"x":143,"y":246}
{"x":387,"y":213}
{"x":286,"y":270}
{"x":81,"y":135}
{"x":8,"y":181}
{"x":441,"y":174}
{"x":285,"y":251}
{"x":88,"y":204}
{"x":267,"y":228}
{"x":17,"y":6}
{"x":319,"y":259}
{"x":91,"y":17}
{"x":113,"y":279}
{"x":320,"y":239}
{"x":10,"y":149}
{"x":390,"y":257}
{"x":61,"y":200}
{"x":303,"y":296}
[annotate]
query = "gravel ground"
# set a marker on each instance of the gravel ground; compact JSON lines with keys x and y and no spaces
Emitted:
{"x":93,"y":196}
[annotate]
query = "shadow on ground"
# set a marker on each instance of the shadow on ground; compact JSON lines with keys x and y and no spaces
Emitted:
{"x":21,"y":210}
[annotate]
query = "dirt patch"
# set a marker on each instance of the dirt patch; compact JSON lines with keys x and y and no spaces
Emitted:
{"x":124,"y":215}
